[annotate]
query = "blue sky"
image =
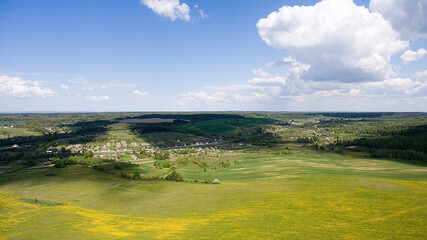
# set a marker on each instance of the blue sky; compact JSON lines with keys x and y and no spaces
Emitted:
{"x":177,"y":55}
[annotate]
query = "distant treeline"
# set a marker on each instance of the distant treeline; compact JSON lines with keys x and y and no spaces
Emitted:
{"x":190,"y":117}
{"x":352,"y":114}
{"x":409,"y":144}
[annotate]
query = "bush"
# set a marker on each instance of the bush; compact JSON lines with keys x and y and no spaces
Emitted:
{"x":161,"y":155}
{"x":174,"y":176}
{"x":143,"y":154}
{"x":83,"y":162}
{"x":303,"y":140}
{"x":136,"y":175}
{"x":59,"y":163}
{"x":124,"y":175}
{"x":88,"y":154}
{"x":283,"y":152}
{"x":162,"y":164}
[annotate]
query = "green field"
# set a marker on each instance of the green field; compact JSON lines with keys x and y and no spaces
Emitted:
{"x":18,"y":132}
{"x":261,"y":196}
{"x":5,"y":122}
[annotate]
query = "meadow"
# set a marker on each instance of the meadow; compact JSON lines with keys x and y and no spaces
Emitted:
{"x":261,"y":196}
{"x":17,"y":131}
{"x":281,"y":176}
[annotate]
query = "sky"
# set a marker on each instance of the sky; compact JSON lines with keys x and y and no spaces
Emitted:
{"x":213,"y":55}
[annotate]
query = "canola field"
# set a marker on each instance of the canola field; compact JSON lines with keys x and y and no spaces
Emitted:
{"x":260,"y":197}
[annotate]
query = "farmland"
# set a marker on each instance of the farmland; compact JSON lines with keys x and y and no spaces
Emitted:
{"x":291,"y":176}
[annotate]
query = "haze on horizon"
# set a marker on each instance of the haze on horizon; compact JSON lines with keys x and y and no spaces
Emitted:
{"x":193,"y":55}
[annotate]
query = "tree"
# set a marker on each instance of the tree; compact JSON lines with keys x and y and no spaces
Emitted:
{"x":88,"y":154}
{"x":136,"y":175}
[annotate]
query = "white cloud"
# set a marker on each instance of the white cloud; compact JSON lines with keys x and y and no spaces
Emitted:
{"x":65,"y":87}
{"x":114,"y":84}
{"x":408,"y":17}
{"x":202,"y":97}
{"x":267,"y":78}
{"x":171,"y":9}
{"x":88,"y":88}
{"x":340,"y":60}
{"x":394,"y":94}
{"x":393,"y":86}
{"x":410,"y":56}
{"x":16,"y":87}
{"x":203,"y":15}
{"x":338,"y":39}
{"x":137,"y":92}
{"x":421,"y":76}
{"x":96,"y":99}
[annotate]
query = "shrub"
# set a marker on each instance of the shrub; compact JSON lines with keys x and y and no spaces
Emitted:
{"x":88,"y":154}
{"x":161,"y":155}
{"x":124,"y":175}
{"x":174,"y":176}
{"x":83,"y":162}
{"x":136,"y":175}
{"x":162,"y":164}
{"x":72,"y":160}
{"x":59,"y":163}
{"x":283,"y":152}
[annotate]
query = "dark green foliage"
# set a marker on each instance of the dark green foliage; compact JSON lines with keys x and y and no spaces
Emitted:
{"x":141,"y":128}
{"x":59,"y":163}
{"x":163,"y":155}
{"x":352,"y":114}
{"x":88,"y":154}
{"x":283,"y":152}
{"x":124,"y":175}
{"x":399,"y":154}
{"x":101,"y":138}
{"x":174,"y":176}
{"x":143,"y":154}
{"x":162,"y":164}
{"x":188,"y":117}
{"x":136,"y":176}
{"x":303,"y":140}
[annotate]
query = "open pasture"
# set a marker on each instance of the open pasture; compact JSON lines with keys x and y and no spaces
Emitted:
{"x":260,"y":197}
{"x":18,"y":132}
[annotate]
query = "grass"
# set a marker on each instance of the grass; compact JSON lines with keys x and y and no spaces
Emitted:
{"x":15,"y":132}
{"x":5,"y":122}
{"x":254,"y":167}
{"x":260,"y":197}
{"x":223,"y":126}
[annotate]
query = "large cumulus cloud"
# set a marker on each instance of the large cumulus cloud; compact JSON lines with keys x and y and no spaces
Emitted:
{"x":338,"y":39}
{"x":408,"y":17}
